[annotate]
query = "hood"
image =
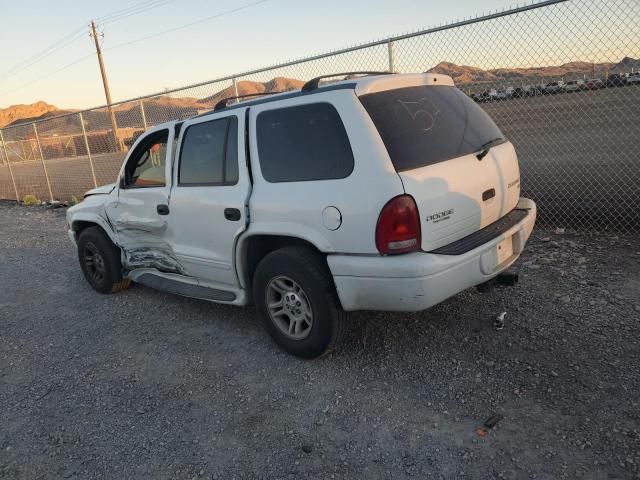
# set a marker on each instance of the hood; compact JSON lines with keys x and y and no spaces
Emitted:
{"x":103,"y":190}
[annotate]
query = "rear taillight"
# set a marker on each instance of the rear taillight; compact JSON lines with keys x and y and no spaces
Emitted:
{"x":398,"y":229}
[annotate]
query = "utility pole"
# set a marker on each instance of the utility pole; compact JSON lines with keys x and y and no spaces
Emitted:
{"x":105,"y":82}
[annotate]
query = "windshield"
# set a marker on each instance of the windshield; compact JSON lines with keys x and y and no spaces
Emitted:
{"x":424,"y":125}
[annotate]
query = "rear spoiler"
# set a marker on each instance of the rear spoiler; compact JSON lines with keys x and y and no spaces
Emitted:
{"x":382,"y":83}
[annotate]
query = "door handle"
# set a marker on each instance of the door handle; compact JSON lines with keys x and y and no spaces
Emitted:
{"x":232,"y":214}
{"x":162,"y":209}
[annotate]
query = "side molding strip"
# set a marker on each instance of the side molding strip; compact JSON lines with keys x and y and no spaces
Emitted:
{"x":187,"y":290}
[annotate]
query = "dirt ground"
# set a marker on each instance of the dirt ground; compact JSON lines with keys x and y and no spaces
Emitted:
{"x":144,"y":384}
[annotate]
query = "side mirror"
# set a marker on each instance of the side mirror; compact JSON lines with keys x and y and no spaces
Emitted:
{"x":121,"y":183}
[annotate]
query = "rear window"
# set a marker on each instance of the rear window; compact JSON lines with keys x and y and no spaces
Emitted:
{"x":425,"y":125}
{"x":302,"y":143}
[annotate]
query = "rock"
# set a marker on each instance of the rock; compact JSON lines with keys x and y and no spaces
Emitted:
{"x":559,"y":231}
{"x":493,"y":420}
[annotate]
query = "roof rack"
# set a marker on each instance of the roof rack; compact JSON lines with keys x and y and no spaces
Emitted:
{"x":223,"y":103}
{"x":315,"y":82}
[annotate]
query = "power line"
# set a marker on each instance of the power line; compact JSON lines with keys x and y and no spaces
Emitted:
{"x":69,"y":65}
{"x":59,"y":45}
{"x":70,"y":38}
{"x":144,"y":4}
{"x":186,"y":25}
{"x":134,"y":11}
{"x":76,"y":34}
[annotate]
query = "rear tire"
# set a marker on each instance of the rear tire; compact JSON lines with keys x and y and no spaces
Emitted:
{"x":295,"y":295}
{"x":100,"y":261}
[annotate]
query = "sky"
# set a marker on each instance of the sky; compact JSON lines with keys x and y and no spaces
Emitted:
{"x":223,"y":38}
{"x":257,"y":35}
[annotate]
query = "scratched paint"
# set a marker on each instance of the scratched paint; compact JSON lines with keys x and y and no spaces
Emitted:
{"x":162,"y":259}
{"x":140,"y":240}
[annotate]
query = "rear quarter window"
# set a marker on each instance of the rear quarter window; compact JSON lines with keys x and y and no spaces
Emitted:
{"x":303,"y":143}
{"x":425,"y":125}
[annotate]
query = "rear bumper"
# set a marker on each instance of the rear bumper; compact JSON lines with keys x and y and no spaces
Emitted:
{"x":419,"y":280}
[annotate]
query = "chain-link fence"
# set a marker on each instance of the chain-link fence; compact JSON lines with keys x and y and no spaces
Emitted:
{"x":560,"y":77}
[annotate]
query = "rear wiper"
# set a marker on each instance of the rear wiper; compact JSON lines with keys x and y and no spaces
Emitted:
{"x":484,"y":149}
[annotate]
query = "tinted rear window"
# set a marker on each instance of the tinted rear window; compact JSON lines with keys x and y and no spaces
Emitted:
{"x":424,"y":125}
{"x":302,"y":143}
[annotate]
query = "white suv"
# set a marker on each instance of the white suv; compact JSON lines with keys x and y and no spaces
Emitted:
{"x":382,"y":192}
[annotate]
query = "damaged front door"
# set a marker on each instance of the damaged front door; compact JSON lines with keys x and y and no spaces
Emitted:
{"x":140,"y":213}
{"x":209,"y":195}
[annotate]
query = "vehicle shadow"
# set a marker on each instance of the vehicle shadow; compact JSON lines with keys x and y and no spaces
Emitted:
{"x":369,"y":334}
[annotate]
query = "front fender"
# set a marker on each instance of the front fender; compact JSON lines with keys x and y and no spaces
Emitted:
{"x":90,"y":210}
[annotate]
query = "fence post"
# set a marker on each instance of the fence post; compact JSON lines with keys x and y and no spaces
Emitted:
{"x":6,"y":154}
{"x":44,"y":167}
{"x":391,"y":53}
{"x":144,"y":116}
{"x":235,"y":86}
{"x":2,"y":160}
{"x":86,"y":144}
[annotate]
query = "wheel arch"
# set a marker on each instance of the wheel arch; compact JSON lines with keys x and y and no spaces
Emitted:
{"x":251,"y":249}
{"x":80,"y":223}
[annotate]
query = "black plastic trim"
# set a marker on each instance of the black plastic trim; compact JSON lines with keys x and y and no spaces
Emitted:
{"x":483,"y":236}
{"x":179,"y":288}
{"x":314,"y":83}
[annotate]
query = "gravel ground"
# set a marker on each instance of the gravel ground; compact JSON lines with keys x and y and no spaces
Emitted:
{"x":149,"y":385}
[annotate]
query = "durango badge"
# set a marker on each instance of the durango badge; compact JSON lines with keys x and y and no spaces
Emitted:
{"x":440,"y":216}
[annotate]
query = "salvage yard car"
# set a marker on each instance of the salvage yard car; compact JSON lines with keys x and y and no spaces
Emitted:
{"x":594,"y":84}
{"x":380,"y":192}
{"x":573,"y":85}
{"x":633,"y":78}
{"x":554,"y":87}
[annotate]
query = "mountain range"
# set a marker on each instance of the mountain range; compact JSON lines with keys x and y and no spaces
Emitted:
{"x":464,"y":74}
{"x":162,"y":108}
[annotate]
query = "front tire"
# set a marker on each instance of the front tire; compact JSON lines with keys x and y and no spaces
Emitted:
{"x":294,"y":293}
{"x":100,"y":261}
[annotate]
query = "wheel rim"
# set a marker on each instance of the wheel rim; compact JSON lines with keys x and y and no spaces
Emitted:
{"x":289,"y":307}
{"x":94,"y":262}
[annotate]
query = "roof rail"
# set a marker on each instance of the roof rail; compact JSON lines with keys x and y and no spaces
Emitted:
{"x":315,"y":82}
{"x":223,"y":103}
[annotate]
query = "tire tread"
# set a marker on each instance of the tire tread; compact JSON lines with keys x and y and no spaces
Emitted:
{"x":111,"y":254}
{"x":315,"y":264}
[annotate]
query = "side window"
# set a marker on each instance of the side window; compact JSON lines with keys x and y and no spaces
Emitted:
{"x":306,"y":142}
{"x":209,"y":154}
{"x":145,"y":167}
